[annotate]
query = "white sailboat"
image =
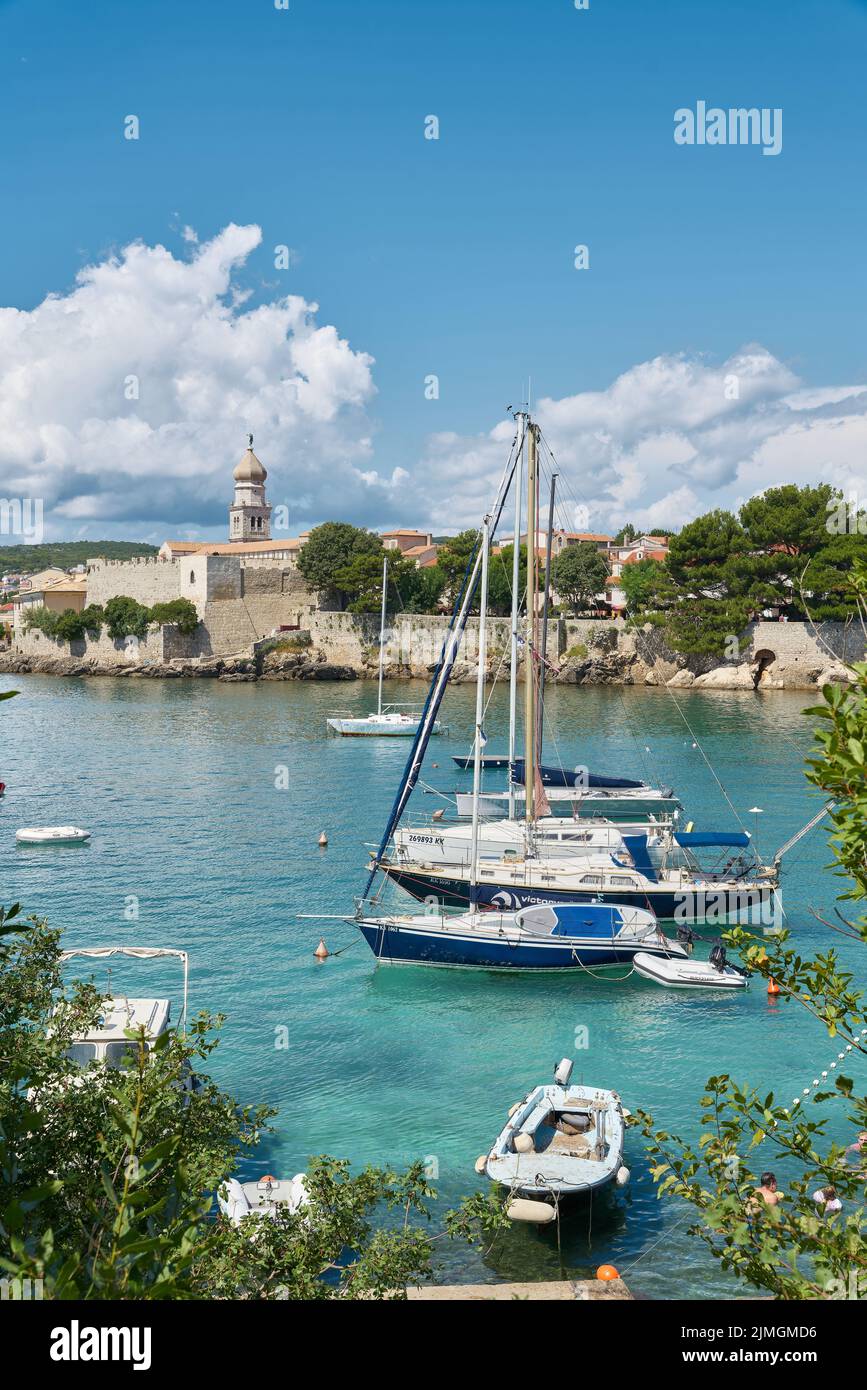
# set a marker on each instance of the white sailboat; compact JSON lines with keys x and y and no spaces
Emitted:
{"x":391,"y":720}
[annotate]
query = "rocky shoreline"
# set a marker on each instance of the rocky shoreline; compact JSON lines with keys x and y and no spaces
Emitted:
{"x":639,"y":664}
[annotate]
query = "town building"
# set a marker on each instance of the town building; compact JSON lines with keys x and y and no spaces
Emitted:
{"x":414,"y":545}
{"x":631,"y":553}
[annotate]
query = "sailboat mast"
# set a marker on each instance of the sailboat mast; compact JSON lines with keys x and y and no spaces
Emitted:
{"x":382,"y":631}
{"x":529,"y":673}
{"x":543,"y":646}
{"x":516,"y":621}
{"x":480,"y":709}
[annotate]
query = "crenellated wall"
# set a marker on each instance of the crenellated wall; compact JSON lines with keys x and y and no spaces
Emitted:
{"x":148,"y":579}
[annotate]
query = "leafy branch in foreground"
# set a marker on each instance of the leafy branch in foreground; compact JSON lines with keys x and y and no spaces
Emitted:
{"x":107,"y":1174}
{"x":799,"y":1247}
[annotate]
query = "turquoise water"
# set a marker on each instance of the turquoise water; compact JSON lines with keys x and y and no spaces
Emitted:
{"x":177,"y":782}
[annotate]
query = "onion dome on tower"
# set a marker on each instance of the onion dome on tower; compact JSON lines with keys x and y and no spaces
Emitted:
{"x":249,"y":514}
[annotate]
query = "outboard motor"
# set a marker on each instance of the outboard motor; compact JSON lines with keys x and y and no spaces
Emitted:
{"x":717,"y":957}
{"x":686,"y":938}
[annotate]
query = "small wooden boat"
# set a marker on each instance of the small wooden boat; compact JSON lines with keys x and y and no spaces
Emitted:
{"x":559,"y":1141}
{"x":270,"y":1195}
{"x":678,"y":973}
{"x":52,"y":835}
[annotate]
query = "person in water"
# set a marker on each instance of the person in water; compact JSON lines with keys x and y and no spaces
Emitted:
{"x":857,"y":1152}
{"x":827,"y":1199}
{"x":768,"y":1190}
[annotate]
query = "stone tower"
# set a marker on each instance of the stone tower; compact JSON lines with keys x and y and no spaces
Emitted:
{"x":249,"y":514}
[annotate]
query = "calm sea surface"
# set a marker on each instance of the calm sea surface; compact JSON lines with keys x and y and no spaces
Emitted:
{"x":177,"y":782}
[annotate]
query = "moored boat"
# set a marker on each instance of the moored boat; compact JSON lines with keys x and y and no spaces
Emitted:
{"x":678,"y":973}
{"x":545,"y":937}
{"x":52,"y":835}
{"x":391,"y":720}
{"x":559,"y":1141}
{"x":388,"y":722}
{"x":266,"y":1196}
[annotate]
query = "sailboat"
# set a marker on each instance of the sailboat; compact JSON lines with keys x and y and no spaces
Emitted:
{"x":390,"y":720}
{"x":537,"y":937}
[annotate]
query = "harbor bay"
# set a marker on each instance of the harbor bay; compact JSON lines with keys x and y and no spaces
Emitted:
{"x":206,"y":802}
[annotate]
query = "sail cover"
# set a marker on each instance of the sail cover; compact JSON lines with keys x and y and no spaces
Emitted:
{"x":700,"y":839}
{"x":562,"y":777}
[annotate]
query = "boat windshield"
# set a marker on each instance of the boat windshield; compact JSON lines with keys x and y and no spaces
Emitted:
{"x":81,"y":1053}
{"x":121,"y":1054}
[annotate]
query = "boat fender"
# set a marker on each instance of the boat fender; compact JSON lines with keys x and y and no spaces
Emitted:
{"x":524,"y":1209}
{"x":481,"y":1163}
{"x":627,"y":1114}
{"x":523,"y":1144}
{"x":622,"y":1177}
{"x":513,"y":1109}
{"x":563,"y":1071}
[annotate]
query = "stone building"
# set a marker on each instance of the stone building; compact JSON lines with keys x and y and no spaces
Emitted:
{"x":243,"y":589}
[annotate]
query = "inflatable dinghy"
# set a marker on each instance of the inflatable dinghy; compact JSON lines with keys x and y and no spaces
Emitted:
{"x":52,"y":835}
{"x":678,"y":973}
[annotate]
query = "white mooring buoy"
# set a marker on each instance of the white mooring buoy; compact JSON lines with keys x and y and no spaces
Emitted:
{"x":322,"y":952}
{"x":323,"y":840}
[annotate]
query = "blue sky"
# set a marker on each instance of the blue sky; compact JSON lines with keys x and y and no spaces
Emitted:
{"x":454,"y":256}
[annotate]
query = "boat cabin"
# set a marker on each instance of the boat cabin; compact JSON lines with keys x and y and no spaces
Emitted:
{"x":107,"y":1041}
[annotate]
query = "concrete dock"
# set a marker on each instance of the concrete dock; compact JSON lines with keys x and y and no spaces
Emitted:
{"x":548,"y":1291}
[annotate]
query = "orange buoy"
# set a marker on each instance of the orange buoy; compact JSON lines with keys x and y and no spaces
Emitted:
{"x":267,"y":1177}
{"x":323,"y":840}
{"x":773,"y":987}
{"x":322,"y":952}
{"x":607,"y":1272}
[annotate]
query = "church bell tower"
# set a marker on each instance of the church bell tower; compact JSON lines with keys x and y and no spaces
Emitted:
{"x":249,"y":514}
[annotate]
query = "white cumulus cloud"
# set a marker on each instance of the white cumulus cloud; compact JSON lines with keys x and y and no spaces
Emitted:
{"x":124,"y":403}
{"x":668,"y":440}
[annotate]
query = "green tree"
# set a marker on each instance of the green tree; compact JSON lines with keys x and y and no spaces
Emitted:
{"x":793,"y":1250}
{"x":360,"y":581}
{"x":421,"y":590}
{"x":647,"y":585}
{"x":179,"y":611}
{"x":578,"y":574}
{"x":781,"y":549}
{"x":454,"y":556}
{"x":126,"y":617}
{"x":107,"y":1175}
{"x":329,"y":549}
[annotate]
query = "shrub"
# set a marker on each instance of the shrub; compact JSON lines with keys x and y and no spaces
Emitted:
{"x":179,"y":611}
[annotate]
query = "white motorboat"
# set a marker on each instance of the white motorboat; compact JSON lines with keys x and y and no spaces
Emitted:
{"x":106,"y":1041}
{"x":559,"y":1141}
{"x":266,"y":1197}
{"x":52,"y":835}
{"x":678,"y":973}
